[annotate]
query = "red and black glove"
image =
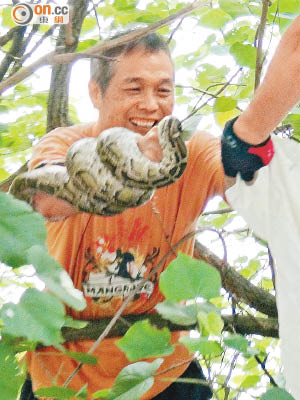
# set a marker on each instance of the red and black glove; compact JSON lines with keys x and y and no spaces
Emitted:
{"x":242,"y":157}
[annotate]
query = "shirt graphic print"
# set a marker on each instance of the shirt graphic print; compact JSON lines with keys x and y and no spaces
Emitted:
{"x":112,"y":272}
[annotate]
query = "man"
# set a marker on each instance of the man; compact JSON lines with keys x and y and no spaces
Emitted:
{"x":136,"y":91}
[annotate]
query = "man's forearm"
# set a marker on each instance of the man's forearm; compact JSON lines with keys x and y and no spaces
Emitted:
{"x":278,"y":93}
{"x":52,"y":208}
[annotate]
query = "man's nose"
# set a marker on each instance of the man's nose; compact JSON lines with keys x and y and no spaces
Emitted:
{"x":149,"y":101}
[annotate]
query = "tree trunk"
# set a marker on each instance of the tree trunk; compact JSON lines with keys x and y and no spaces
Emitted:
{"x":58,"y":102}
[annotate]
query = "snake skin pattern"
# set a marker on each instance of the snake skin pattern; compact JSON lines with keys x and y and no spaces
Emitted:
{"x":108,"y":174}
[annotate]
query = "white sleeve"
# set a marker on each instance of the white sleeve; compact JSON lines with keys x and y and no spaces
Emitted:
{"x":275,"y":193}
{"x":271,"y":207}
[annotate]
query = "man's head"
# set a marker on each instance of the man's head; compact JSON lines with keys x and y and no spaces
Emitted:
{"x":132,"y":85}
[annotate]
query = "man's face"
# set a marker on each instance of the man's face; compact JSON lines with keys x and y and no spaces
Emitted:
{"x":140,"y":93}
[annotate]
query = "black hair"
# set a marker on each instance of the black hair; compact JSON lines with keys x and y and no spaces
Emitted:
{"x":102,"y":69}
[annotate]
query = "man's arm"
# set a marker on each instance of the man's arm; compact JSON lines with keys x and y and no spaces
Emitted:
{"x":56,"y":209}
{"x":51,"y":207}
{"x":246,"y":146}
{"x":278,"y":93}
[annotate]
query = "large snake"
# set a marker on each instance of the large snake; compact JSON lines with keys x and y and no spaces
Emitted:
{"x":108,"y":174}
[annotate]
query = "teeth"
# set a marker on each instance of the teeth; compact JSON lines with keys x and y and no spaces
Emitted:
{"x":143,"y":123}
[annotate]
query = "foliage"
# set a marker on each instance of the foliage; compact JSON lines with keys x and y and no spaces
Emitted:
{"x":215,"y":78}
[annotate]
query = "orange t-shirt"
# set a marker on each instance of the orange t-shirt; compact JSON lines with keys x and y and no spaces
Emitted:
{"x":107,"y":256}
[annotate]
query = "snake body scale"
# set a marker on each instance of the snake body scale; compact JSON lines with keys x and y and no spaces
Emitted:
{"x":108,"y":174}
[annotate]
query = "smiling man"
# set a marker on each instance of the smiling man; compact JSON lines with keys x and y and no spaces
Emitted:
{"x":106,"y":257}
{"x":132,"y":86}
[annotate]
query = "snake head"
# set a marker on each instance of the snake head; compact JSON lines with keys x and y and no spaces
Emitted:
{"x":169,"y":128}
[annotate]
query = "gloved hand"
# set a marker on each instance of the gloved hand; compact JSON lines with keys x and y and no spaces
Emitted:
{"x":242,"y":157}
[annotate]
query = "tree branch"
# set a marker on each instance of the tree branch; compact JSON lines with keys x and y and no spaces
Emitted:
{"x":58,"y":102}
{"x":38,"y":43}
{"x":54,"y":58}
{"x":5,"y":185}
{"x":8,"y":36}
{"x":238,"y":323}
{"x":238,"y":286}
{"x":14,"y":51}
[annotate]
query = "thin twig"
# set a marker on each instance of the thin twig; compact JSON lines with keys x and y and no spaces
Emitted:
{"x":232,"y":366}
{"x":188,"y":361}
{"x":131,"y":296}
{"x":38,"y":43}
{"x":220,"y":211}
{"x":128,"y":300}
{"x":158,"y":217}
{"x":175,"y":30}
{"x":97,"y":19}
{"x":263,"y":366}
{"x":196,"y":109}
{"x":196,"y":89}
{"x":271,"y":264}
{"x":260,"y":36}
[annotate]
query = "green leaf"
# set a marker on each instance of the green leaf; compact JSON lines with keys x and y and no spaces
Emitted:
{"x":241,"y":34}
{"x":224,"y":103}
{"x":237,"y":342}
{"x":211,"y":322}
{"x":251,"y":351}
{"x":85,"y":44}
{"x":39,"y":317}
{"x":82,"y":357}
{"x":208,"y":73}
{"x":10,"y":376}
{"x":20,"y":228}
{"x":189,"y":127}
{"x":122,"y":5}
{"x":204,"y":346}
{"x":6,"y":18}
{"x":234,"y":8}
{"x":222,"y":117}
{"x":187,"y":278}
{"x":89,"y":24}
{"x":74,"y":323}
{"x":220,"y":50}
{"x":178,"y":313}
{"x":215,"y":18}
{"x":285,"y":6}
{"x":101,"y":394}
{"x":55,"y":277}
{"x":250,"y":381}
{"x":143,"y":341}
{"x":61,"y":393}
{"x":244,"y":54}
{"x":4,"y":128}
{"x":134,"y":380}
{"x":277,"y":394}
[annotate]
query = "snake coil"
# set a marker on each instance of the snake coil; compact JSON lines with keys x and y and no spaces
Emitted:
{"x":108,"y":174}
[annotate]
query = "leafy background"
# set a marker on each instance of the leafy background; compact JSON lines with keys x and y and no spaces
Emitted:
{"x":218,"y":67}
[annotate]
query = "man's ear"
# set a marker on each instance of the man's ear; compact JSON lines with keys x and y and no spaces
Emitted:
{"x":95,"y":94}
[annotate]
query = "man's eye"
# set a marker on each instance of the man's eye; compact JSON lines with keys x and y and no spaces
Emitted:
{"x":164,"y":90}
{"x":133,"y":89}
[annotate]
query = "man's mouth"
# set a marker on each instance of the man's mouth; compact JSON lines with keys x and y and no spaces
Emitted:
{"x":144,"y":123}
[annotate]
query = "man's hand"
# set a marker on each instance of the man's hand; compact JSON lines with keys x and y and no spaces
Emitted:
{"x":56,"y":209}
{"x":149,"y":145}
{"x":51,"y":207}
